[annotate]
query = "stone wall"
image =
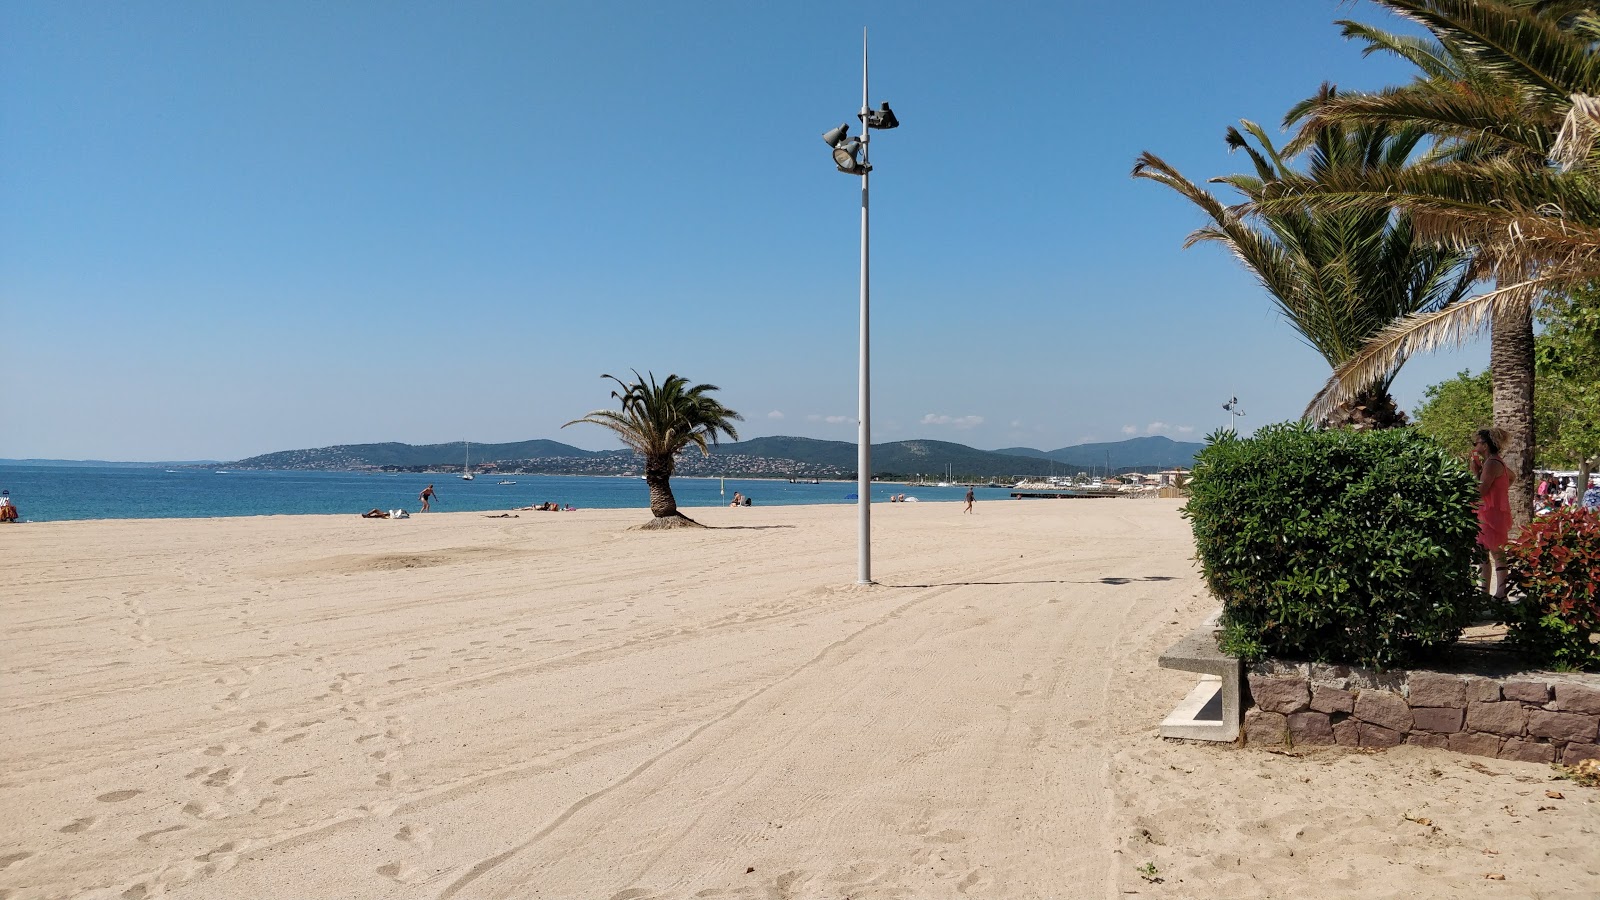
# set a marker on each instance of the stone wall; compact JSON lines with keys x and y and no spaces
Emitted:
{"x":1540,"y":717}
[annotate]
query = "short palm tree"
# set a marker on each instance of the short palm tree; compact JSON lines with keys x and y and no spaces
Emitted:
{"x":1338,"y":276}
{"x":1509,"y":89}
{"x":659,"y":421}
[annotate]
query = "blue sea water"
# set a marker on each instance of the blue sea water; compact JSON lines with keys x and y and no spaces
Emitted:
{"x":52,"y":493}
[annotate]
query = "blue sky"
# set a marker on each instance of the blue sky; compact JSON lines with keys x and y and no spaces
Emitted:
{"x":232,"y":228}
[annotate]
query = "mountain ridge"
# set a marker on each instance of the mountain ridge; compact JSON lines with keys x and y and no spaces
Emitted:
{"x":767,"y":456}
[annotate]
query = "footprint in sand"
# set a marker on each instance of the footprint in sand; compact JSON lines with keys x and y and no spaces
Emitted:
{"x":285,"y":779}
{"x":975,"y":881}
{"x":11,"y":859}
{"x":149,"y":836}
{"x":202,"y":809}
{"x":391,"y":779}
{"x":266,"y":725}
{"x":222,"y":750}
{"x":404,"y":873}
{"x":269,"y":806}
{"x":384,"y":755}
{"x":79,"y":826}
{"x":420,"y":836}
{"x":119,"y":796}
{"x":226,"y":777}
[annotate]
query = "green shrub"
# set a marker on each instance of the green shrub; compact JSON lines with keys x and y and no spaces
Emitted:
{"x":1555,"y":564}
{"x":1335,"y":546}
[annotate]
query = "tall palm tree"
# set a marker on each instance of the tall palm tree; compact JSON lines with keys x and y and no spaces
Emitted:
{"x":1338,"y":276}
{"x":1509,"y":88}
{"x":659,"y":421}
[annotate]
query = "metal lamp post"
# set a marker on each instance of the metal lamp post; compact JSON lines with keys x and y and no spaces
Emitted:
{"x":1234,"y":412}
{"x":845,"y":157}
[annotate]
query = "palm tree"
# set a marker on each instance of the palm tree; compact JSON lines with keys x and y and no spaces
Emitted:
{"x":1338,"y":276}
{"x":659,"y":421}
{"x":1509,"y":89}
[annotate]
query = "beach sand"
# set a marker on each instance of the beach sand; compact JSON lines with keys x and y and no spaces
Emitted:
{"x":554,"y":706}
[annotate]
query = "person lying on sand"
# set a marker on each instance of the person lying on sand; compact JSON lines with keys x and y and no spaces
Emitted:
{"x":503,"y":516}
{"x":375,"y":514}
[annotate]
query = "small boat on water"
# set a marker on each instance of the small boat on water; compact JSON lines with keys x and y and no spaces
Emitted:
{"x":466,"y":467}
{"x":505,"y":482}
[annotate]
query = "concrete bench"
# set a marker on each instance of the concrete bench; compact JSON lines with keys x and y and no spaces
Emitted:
{"x":1212,"y":711}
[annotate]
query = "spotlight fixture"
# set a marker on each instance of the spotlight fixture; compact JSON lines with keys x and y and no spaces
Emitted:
{"x":835,"y":136}
{"x":844,"y":156}
{"x":881,"y":118}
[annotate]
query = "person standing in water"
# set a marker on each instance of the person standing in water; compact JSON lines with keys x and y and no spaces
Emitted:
{"x":1494,"y":506}
{"x":427,"y":495}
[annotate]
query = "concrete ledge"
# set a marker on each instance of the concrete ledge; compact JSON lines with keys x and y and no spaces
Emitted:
{"x":1201,"y":716}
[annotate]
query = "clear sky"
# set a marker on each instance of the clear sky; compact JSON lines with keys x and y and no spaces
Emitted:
{"x":233,"y":228}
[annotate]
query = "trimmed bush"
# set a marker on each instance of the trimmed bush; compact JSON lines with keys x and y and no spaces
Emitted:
{"x":1555,"y":564}
{"x":1335,"y":546}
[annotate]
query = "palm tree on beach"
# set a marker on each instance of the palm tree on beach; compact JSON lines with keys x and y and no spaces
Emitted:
{"x":1337,"y":276}
{"x":659,"y":421}
{"x":1510,"y":90}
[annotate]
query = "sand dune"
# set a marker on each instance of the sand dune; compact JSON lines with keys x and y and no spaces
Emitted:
{"x":554,"y":706}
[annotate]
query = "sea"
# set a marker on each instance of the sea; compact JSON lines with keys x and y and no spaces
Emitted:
{"x":61,"y":493}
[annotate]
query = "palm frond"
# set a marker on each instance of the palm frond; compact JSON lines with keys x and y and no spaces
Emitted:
{"x":1420,"y":333}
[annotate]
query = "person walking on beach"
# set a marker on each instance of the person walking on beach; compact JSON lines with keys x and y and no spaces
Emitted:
{"x":427,"y":495}
{"x":1494,"y":506}
{"x":969,"y":501}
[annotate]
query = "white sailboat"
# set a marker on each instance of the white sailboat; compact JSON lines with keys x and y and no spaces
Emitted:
{"x":466,"y":467}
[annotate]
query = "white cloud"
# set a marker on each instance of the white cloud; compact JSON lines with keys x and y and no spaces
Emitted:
{"x":1156,"y":427}
{"x":840,"y":420}
{"x":775,"y":414}
{"x":1186,"y":429}
{"x":1130,"y":429}
{"x":958,"y":422}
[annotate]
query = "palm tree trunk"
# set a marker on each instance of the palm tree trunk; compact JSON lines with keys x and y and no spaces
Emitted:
{"x":1511,"y":361}
{"x":663,"y":506}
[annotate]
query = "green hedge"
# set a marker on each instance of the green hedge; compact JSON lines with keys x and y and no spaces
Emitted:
{"x":1335,"y":546}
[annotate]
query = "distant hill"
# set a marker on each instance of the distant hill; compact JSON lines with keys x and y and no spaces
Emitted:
{"x":767,"y":457}
{"x":395,"y":455}
{"x":1135,"y":452}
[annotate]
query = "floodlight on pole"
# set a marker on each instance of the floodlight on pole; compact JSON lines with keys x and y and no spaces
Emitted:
{"x":1234,"y":412}
{"x":850,"y":156}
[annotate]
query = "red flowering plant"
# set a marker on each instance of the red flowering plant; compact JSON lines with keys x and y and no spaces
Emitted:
{"x":1555,"y":566}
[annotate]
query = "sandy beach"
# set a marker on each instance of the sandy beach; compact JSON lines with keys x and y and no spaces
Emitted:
{"x":553,"y":706}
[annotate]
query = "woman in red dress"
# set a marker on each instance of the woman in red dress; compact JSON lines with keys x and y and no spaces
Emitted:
{"x":1494,"y":506}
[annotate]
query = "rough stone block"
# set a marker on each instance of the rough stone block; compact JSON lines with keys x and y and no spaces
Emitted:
{"x":1434,"y":689}
{"x":1310,"y":729}
{"x":1527,"y":751}
{"x":1437,"y":720}
{"x":1578,"y":698}
{"x":1509,"y":718}
{"x":1577,"y":752}
{"x":1482,"y":690}
{"x":1280,"y":693}
{"x":1383,"y":708}
{"x":1476,"y":744}
{"x":1347,"y":733}
{"x":1330,"y":675}
{"x":1537,"y":692}
{"x":1563,"y":726}
{"x":1378,"y":736}
{"x":1332,"y":700}
{"x":1264,"y":729}
{"x":1421,"y":739}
